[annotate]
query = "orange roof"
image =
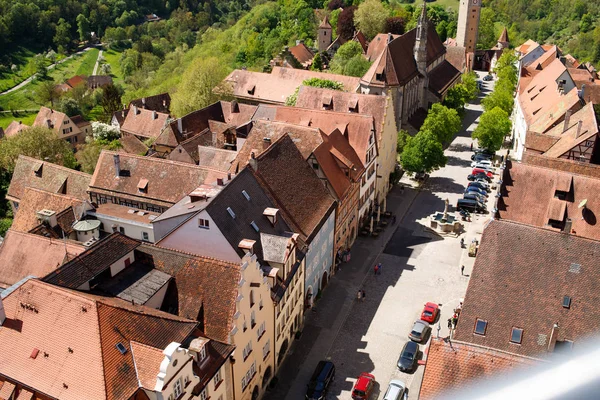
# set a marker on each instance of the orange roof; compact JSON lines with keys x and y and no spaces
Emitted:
{"x":457,"y":365}
{"x":76,"y":336}
{"x":574,"y":134}
{"x":145,"y":123}
{"x":302,"y":53}
{"x":147,"y":363}
{"x":76,"y":80}
{"x":14,"y":128}
{"x":545,"y":59}
{"x":554,"y":111}
{"x":526,"y":47}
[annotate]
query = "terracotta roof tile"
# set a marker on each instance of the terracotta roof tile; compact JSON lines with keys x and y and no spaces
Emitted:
{"x":561,"y":164}
{"x":168,"y":181}
{"x":520,"y":278}
{"x":545,"y":59}
{"x":582,"y":126}
{"x":553,"y":113}
{"x":525,"y":185}
{"x":49,"y":118}
{"x":442,"y":77}
{"x":133,"y":145}
{"x":457,"y":365}
{"x":49,"y":177}
{"x":124,"y":212}
{"x":34,"y":200}
{"x":187,"y":151}
{"x":144,"y":123}
{"x":147,"y":364}
{"x":295,"y":186}
{"x":539,"y":142}
{"x":14,"y":128}
{"x":212,"y":157}
{"x":160,"y":102}
{"x":302,"y":53}
{"x":457,"y":57}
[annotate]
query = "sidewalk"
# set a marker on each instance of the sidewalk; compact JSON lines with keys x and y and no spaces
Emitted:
{"x":323,"y":323}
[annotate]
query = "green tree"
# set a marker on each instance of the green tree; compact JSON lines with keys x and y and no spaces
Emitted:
{"x":443,"y":122}
{"x":111,"y":100}
{"x":89,"y":153}
{"x":493,"y":126}
{"x":69,"y":106}
{"x":196,"y":88}
{"x":37,"y":142}
{"x":469,"y":80}
{"x":62,"y":37}
{"x":348,"y":51}
{"x":357,"y":66}
{"x":83,"y":27}
{"x":401,"y":140}
{"x":314,"y":82}
{"x":47,"y":93}
{"x":456,"y":97}
{"x":487,"y":31}
{"x":422,"y":153}
{"x":317,"y":63}
{"x":370,"y":18}
{"x":501,"y":97}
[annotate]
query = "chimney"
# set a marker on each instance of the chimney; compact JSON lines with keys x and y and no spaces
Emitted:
{"x":135,"y":110}
{"x":567,"y":119}
{"x":266,"y":143}
{"x":164,"y":103}
{"x":144,"y":102}
{"x":235,"y":108}
{"x":568,"y":226}
{"x":229,"y":176}
{"x":579,"y":125}
{"x":154,"y":115}
{"x":298,"y":42}
{"x":247,"y":245}
{"x":123,"y":114}
{"x":271,"y":214}
{"x":220,"y":181}
{"x":2,"y":312}
{"x":390,"y":38}
{"x":253,"y":163}
{"x":117,"y":162}
{"x":553,"y":336}
{"x":51,"y":111}
{"x":180,"y":125}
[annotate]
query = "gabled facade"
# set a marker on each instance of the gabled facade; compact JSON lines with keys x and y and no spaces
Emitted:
{"x":143,"y":123}
{"x":73,"y":130}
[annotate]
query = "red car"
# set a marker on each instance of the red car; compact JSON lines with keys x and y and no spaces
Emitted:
{"x":482,"y":171}
{"x":363,"y":387}
{"x":430,"y":312}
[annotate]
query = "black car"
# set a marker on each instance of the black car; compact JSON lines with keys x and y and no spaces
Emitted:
{"x":479,"y":176}
{"x":480,"y":157}
{"x":480,"y":185}
{"x":408,"y":358}
{"x":479,"y":191}
{"x":470,"y":205}
{"x":319,"y":382}
{"x":485,"y":152}
{"x":474,"y":196}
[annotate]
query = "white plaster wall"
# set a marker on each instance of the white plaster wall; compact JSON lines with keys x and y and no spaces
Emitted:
{"x":119,"y":266}
{"x":132,"y":229}
{"x":157,"y":299}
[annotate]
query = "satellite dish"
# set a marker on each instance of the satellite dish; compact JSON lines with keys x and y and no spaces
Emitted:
{"x":582,"y":204}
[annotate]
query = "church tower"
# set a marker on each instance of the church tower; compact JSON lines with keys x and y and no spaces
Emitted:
{"x":467,"y":31}
{"x":324,"y":34}
{"x":420,"y":54}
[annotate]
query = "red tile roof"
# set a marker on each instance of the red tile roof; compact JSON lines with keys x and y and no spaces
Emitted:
{"x":76,"y":80}
{"x":133,"y":145}
{"x":302,"y":53}
{"x":454,"y":365}
{"x":24,"y":254}
{"x":14,"y":128}
{"x":582,"y":126}
{"x":147,"y":364}
{"x":520,"y":278}
{"x":144,"y":123}
{"x":560,"y":164}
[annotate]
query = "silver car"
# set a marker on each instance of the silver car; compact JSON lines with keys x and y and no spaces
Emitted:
{"x":419,"y":331}
{"x":396,"y":391}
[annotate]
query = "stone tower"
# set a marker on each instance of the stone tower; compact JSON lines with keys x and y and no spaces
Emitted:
{"x":503,"y":42}
{"x":324,"y":32}
{"x":420,"y":54}
{"x":467,"y":31}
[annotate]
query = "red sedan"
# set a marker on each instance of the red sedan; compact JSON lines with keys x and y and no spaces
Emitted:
{"x":482,"y":171}
{"x":430,"y":312}
{"x":363,"y":387}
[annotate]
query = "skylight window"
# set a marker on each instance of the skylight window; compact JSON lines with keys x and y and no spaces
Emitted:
{"x":566,"y":302}
{"x":516,"y":336}
{"x":230,"y":211}
{"x":122,"y":349}
{"x":246,"y":195}
{"x":480,"y":326}
{"x":253,"y":224}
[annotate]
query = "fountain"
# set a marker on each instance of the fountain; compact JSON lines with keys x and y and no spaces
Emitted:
{"x":443,"y":222}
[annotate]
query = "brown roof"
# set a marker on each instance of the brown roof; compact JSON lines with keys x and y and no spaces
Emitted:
{"x":79,"y":121}
{"x":145,"y":123}
{"x":187,"y":151}
{"x":160,"y":102}
{"x":456,"y":56}
{"x":378,"y":45}
{"x":133,"y":145}
{"x":362,"y":40}
{"x":219,"y":159}
{"x":147,"y":361}
{"x":571,"y":62}
{"x":34,"y":200}
{"x":582,"y":126}
{"x":581,"y":76}
{"x":357,"y":128}
{"x":295,"y":186}
{"x":442,"y":77}
{"x":302,"y":53}
{"x":325,"y":23}
{"x":591,"y":93}
{"x":168,"y":181}
{"x":49,"y":177}
{"x":553,"y":113}
{"x":306,"y":140}
{"x":96,"y":81}
{"x":200,"y":283}
{"x":453,"y":366}
{"x":504,"y":36}
{"x":121,"y":115}
{"x":14,"y":128}
{"x":84,"y":330}
{"x":528,"y":191}
{"x":561,"y":164}
{"x":124,"y":212}
{"x":274,"y":88}
{"x":397,"y":62}
{"x":520,"y":278}
{"x":49,"y":118}
{"x":342,"y":102}
{"x":545,"y":59}
{"x":76,"y":80}
{"x":23,"y":254}
{"x":539,"y":142}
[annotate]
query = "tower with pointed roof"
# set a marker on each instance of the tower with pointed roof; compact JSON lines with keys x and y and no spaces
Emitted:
{"x":503,"y":42}
{"x":467,"y":31}
{"x":420,"y":54}
{"x":324,"y":34}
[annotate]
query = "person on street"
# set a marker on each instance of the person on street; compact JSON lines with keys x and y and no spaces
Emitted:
{"x":379,"y":268}
{"x":359,"y":294}
{"x":462,"y":243}
{"x":471,"y":146}
{"x":363,"y":295}
{"x":376,"y":269}
{"x":449,"y":323}
{"x":462,"y":270}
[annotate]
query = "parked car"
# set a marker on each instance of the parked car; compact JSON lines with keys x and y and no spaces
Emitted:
{"x":480,"y":185}
{"x":363,"y":387}
{"x":488,"y":78}
{"x":488,"y":163}
{"x":475,"y":177}
{"x":480,"y":156}
{"x":482,"y":171}
{"x":473,"y":189}
{"x":419,"y":331}
{"x":430,"y":312}
{"x":408,"y":357}
{"x":485,"y":167}
{"x":319,"y":382}
{"x":471,"y":205}
{"x":474,"y":196}
{"x":396,"y":391}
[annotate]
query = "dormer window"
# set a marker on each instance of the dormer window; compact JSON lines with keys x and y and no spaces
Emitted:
{"x":143,"y":186}
{"x":251,"y":89}
{"x":202,"y":355}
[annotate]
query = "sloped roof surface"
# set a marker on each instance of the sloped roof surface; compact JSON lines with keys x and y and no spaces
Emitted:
{"x":160,"y":102}
{"x":14,"y":128}
{"x":145,"y":123}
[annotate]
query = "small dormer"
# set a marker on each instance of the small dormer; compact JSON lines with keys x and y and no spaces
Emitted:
{"x":353,"y":106}
{"x":251,"y":90}
{"x":327,"y":101}
{"x":143,"y":185}
{"x":247,"y":245}
{"x":271,"y":214}
{"x":37,"y":170}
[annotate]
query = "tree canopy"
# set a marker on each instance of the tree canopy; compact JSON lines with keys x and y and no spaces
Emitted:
{"x":370,"y":18}
{"x":422,"y":153}
{"x":349,"y":60}
{"x":442,"y":122}
{"x":493,"y":126}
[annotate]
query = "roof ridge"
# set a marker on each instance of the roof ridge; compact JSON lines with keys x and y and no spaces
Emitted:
{"x":163,"y":160}
{"x":67,"y":292}
{"x":52,"y":194}
{"x":559,"y":171}
{"x":53,"y":165}
{"x":146,"y":311}
{"x":40,"y":237}
{"x":328,"y":112}
{"x":541,"y":229}
{"x":192,"y":255}
{"x":486,"y":348}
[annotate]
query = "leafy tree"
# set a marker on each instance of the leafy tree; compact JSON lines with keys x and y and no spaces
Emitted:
{"x":456,"y":97}
{"x":111,"y":99}
{"x":422,"y":153}
{"x":487,"y":30}
{"x":315,"y":82}
{"x":401,"y":140}
{"x":104,"y":132}
{"x":443,"y":122}
{"x":69,"y":106}
{"x":370,"y":18}
{"x":317,"y":63}
{"x":357,"y":66}
{"x":89,"y":153}
{"x":335,"y":4}
{"x":469,"y":80}
{"x":345,"y":23}
{"x":196,"y":88}
{"x":587,"y":23}
{"x":501,"y":97}
{"x":493,"y":126}
{"x":83,"y":27}
{"x":343,"y":55}
{"x":395,"y":25}
{"x":47,"y":93}
{"x":62,"y":38}
{"x":39,"y":66}
{"x":38,"y":142}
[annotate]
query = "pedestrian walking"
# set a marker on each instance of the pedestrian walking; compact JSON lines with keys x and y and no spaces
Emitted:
{"x":379,"y":268}
{"x":363,"y":295}
{"x":462,"y":270}
{"x":359,"y":294}
{"x":449,"y":323}
{"x":462,"y":243}
{"x":394,"y":219}
{"x":471,"y":146}
{"x":376,"y":269}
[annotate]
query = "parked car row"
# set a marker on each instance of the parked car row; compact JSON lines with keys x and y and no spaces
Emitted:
{"x":478,"y":188}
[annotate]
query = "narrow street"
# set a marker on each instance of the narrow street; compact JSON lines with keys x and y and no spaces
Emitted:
{"x":418,"y":266}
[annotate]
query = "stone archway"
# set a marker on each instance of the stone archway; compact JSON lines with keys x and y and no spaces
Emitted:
{"x":282,"y":350}
{"x":255,"y":393}
{"x":266,"y":377}
{"x":324,"y":280}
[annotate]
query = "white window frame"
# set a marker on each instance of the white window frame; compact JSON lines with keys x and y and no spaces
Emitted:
{"x":217,"y":378}
{"x":203,"y":394}
{"x":177,"y":388}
